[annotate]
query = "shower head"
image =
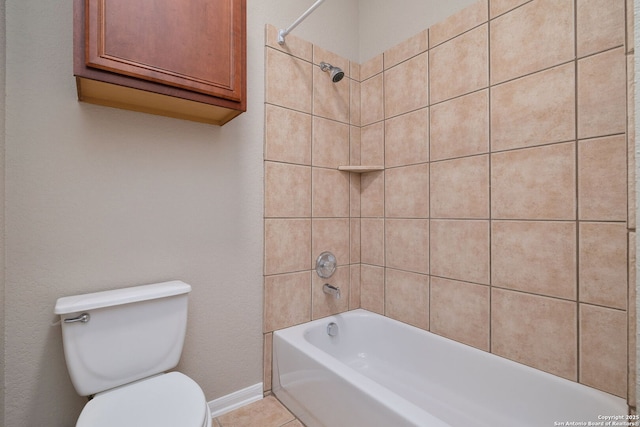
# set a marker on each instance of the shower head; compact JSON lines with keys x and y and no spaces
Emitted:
{"x":336,"y":72}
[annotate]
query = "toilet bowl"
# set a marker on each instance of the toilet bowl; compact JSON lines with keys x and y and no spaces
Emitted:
{"x":118,"y":346}
{"x":165,"y":400}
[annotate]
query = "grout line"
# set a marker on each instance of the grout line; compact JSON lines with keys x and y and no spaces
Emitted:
{"x":490,"y":151}
{"x":429,"y":162}
{"x":631,"y":341}
{"x":384,"y":192}
{"x":458,"y":35}
{"x":311,"y":217}
{"x":508,"y":11}
{"x":577,"y":188}
{"x":592,"y":54}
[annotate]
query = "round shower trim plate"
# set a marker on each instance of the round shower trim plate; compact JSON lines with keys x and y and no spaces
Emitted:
{"x":326,"y":265}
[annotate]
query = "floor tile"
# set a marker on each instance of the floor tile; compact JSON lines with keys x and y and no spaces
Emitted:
{"x":268,"y":412}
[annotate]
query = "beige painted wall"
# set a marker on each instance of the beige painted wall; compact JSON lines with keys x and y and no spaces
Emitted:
{"x":380,"y":24}
{"x":384,"y":24}
{"x":333,"y":25}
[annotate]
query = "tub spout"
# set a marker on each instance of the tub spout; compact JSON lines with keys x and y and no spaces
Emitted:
{"x":331,"y":290}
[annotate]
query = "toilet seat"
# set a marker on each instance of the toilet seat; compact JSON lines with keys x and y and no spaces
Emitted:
{"x":165,"y":400}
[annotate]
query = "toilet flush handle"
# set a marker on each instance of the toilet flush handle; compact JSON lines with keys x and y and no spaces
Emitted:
{"x":84,"y":318}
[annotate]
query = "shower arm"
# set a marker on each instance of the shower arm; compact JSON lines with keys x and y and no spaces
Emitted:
{"x":285,"y":32}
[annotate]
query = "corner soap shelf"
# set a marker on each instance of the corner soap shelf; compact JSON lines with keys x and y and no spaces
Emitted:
{"x":360,"y":169}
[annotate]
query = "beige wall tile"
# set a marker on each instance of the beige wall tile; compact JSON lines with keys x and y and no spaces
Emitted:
{"x":407,"y":49}
{"x":533,"y":110}
{"x":293,"y":45}
{"x":630,"y":44}
{"x":330,"y":143}
{"x":406,"y":139}
{"x":354,"y":72}
{"x":498,"y":7}
{"x":287,"y":300}
{"x":355,"y":188}
{"x":534,"y":183}
{"x":287,"y":135}
{"x":537,"y":331}
{"x":372,"y":288}
{"x":603,"y":349}
{"x":531,"y":38}
{"x":292,"y":81}
{"x":324,"y":304}
{"x":384,"y":260}
{"x":602,"y":179}
{"x":407,"y":191}
{"x":600,"y":25}
{"x":407,"y":297}
{"x":407,"y":86}
{"x":469,"y":17}
{"x":460,"y":311}
{"x":372,"y":144}
{"x":372,"y":95}
{"x":372,"y":196}
{"x":602,"y":96}
{"x":330,"y":235}
{"x":354,"y":285}
{"x":354,"y":240}
{"x":603,"y":264}
{"x":372,"y":241}
{"x":632,"y":320}
{"x":460,"y":250}
{"x":267,"y":346}
{"x":468,"y":56}
{"x":287,"y":190}
{"x":355,"y":145}
{"x":460,"y":127}
{"x":356,"y":103}
{"x":407,"y":244}
{"x":537,"y":257}
{"x":631,"y":142}
{"x":460,"y":188}
{"x":330,"y":193}
{"x":372,"y":67}
{"x":330,"y":100}
{"x":287,"y":245}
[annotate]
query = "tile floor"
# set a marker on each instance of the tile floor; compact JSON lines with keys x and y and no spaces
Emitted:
{"x":268,"y":412}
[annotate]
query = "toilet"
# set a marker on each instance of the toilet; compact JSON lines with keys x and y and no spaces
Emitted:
{"x":118,"y":346}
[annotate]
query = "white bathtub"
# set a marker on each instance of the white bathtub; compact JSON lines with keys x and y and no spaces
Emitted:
{"x":380,"y":372}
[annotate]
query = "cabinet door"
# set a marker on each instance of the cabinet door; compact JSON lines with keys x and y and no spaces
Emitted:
{"x":190,"y":44}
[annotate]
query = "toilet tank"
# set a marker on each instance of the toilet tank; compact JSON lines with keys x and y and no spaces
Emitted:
{"x":131,"y":333}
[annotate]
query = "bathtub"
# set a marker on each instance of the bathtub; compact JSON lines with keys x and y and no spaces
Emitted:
{"x":376,"y":371}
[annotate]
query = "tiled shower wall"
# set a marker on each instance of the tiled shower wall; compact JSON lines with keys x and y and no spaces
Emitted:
{"x":503,"y":216}
{"x":310,"y":206}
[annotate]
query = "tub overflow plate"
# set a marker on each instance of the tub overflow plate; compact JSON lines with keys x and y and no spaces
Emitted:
{"x":332,"y":329}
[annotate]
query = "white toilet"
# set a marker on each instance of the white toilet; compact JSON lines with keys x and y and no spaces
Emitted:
{"x":118,"y":345}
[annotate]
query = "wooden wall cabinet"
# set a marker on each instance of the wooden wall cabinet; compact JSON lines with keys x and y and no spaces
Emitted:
{"x":176,"y":58}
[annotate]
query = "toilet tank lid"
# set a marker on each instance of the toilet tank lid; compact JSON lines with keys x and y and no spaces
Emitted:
{"x":84,"y":302}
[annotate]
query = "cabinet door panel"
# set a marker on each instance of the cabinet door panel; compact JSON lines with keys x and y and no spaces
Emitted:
{"x":191,"y":44}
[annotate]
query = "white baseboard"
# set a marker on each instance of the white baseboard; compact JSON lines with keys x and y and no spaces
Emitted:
{"x":235,"y":400}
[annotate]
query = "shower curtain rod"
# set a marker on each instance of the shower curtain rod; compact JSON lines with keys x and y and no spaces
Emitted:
{"x":284,"y":32}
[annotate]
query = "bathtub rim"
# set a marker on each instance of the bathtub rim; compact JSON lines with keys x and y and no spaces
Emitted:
{"x":295,"y":335}
{"x":410,"y":412}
